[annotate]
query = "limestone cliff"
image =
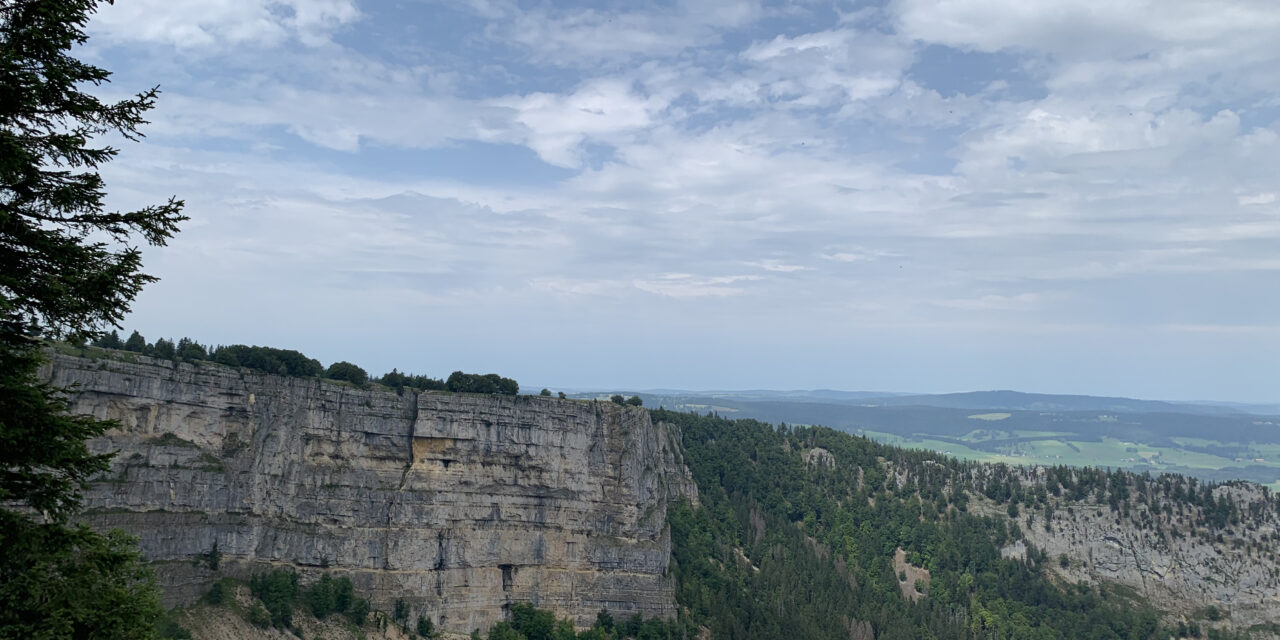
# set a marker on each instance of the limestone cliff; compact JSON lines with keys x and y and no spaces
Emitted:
{"x":461,"y":504}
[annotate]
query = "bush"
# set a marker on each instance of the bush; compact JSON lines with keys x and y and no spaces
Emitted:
{"x":545,"y":392}
{"x":219,"y":594}
{"x":343,"y":594}
{"x":167,"y":628}
{"x":617,"y":399}
{"x":347,"y":372}
{"x":321,"y":598}
{"x":401,"y":612}
{"x":425,"y":627}
{"x":359,"y":612}
{"x":277,"y":591}
{"x":460,"y":382}
{"x":258,"y":616}
{"x":285,"y":362}
{"x":397,"y":381}
{"x":635,"y":401}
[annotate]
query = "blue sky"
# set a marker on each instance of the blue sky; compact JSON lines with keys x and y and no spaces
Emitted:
{"x":920,"y":195}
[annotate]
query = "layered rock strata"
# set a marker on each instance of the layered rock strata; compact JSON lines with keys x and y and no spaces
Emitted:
{"x":460,"y":504}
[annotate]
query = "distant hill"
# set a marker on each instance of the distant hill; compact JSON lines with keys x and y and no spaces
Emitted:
{"x":1019,"y":401}
{"x":1003,"y":400}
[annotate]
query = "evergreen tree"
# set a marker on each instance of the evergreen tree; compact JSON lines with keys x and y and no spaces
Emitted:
{"x":68,"y":269}
{"x":135,"y":343}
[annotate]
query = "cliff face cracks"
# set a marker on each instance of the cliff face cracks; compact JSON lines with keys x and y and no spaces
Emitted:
{"x":459,"y":503}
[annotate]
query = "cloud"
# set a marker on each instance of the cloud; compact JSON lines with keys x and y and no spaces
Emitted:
{"x":1092,"y":165}
{"x":586,"y":37}
{"x":213,"y":27}
{"x":683,"y":285}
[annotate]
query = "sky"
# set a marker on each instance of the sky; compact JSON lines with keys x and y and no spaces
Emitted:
{"x":907,"y":195}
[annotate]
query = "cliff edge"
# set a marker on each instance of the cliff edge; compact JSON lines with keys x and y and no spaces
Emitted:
{"x":461,"y":504}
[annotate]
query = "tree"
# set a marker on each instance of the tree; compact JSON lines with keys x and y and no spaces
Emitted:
{"x":545,"y":392}
{"x":190,"y":350}
{"x":135,"y":343}
{"x":68,"y":269}
{"x":109,"y":341}
{"x":348,"y":372}
{"x":164,"y":348}
{"x":635,"y":401}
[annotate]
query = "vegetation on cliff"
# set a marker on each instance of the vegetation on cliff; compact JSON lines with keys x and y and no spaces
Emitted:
{"x":789,"y":546}
{"x":287,"y":362}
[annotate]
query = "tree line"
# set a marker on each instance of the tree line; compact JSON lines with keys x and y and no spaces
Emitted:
{"x":288,"y":362}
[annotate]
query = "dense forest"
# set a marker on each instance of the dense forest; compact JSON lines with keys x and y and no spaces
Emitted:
{"x":789,"y":545}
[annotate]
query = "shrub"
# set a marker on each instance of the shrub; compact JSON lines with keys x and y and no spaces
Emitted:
{"x":359,"y":612}
{"x":347,"y":372}
{"x":277,"y":590}
{"x":475,"y":383}
{"x":425,"y":627}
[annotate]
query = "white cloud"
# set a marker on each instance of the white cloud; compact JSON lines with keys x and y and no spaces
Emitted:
{"x":683,"y":285}
{"x":1267,"y":197}
{"x":220,"y":25}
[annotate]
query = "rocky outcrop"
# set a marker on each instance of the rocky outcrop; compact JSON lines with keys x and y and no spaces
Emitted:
{"x":458,"y":503}
{"x":1176,"y":566}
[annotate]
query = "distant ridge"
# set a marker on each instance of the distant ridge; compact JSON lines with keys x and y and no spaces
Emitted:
{"x":1019,"y":401}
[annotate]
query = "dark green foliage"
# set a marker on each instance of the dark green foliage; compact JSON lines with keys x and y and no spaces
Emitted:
{"x":135,"y":343}
{"x":163,"y":348}
{"x":219,"y":594}
{"x":347,"y":372}
{"x":259,"y":616}
{"x":617,"y":399}
{"x":285,"y":362}
{"x":562,"y":395}
{"x":359,"y":612}
{"x":321,"y":597}
{"x":400,"y":611}
{"x":818,"y":544}
{"x":277,"y":590}
{"x":425,"y":627}
{"x":167,"y":628}
{"x":397,"y":380}
{"x":545,"y":392}
{"x":530,"y":623}
{"x":635,"y":401}
{"x":476,"y":383}
{"x":604,"y":620}
{"x":212,"y":558}
{"x":343,"y":594}
{"x":504,"y":631}
{"x":109,"y":341}
{"x":44,"y":463}
{"x":60,"y":581}
{"x":191,"y":351}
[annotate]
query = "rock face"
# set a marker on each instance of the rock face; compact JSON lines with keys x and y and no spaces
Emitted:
{"x":1172,"y":567}
{"x":458,"y":503}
